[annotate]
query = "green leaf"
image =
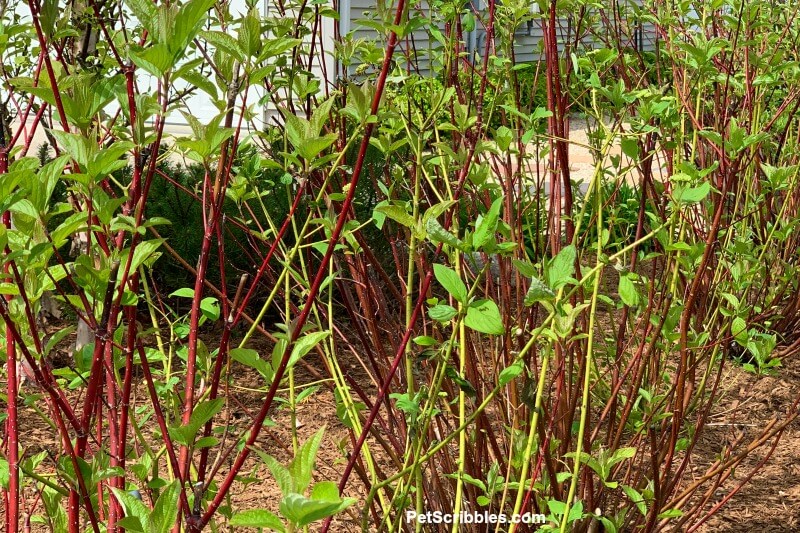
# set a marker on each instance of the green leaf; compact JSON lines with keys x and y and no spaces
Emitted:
{"x":406,"y":403}
{"x":630,"y":147}
{"x":56,"y":338}
{"x":424,"y":340}
{"x":196,"y":79}
{"x":48,"y":176}
{"x":678,"y":246}
{"x":303,"y":464}
{"x":206,"y":442}
{"x":451,"y":282}
{"x":575,"y":512}
{"x":251,"y":359}
{"x":8,"y":200}
{"x":106,"y":209}
{"x":620,"y":455}
{"x":142,"y":252}
{"x":311,"y":148}
{"x":202,"y":413}
{"x":184,"y":292}
{"x":137,"y":515}
{"x":472,"y":481}
{"x":83,"y":358}
{"x":321,"y":115}
{"x":225,"y":43}
{"x":503,"y":136}
{"x":55,"y":511}
{"x":398,"y":214}
{"x":205,"y":411}
{"x":540,"y":113}
{"x":165,"y":511}
{"x":627,"y":292}
{"x":538,"y":292}
{"x":484,"y":316}
{"x":608,"y":525}
{"x":9,"y":288}
{"x":25,"y":207}
{"x":306,"y":393}
{"x":325,"y":491}
{"x":556,"y":507}
{"x":297,"y":128}
{"x":77,"y":146}
{"x":209,"y":306}
{"x":436,"y":210}
{"x":130,"y":523}
{"x":442,"y":313}
{"x":561,"y":267}
{"x":155,"y":60}
{"x":304,"y":345}
{"x":438,"y":234}
{"x":302,"y":511}
{"x":257,"y":518}
{"x":277,"y":47}
{"x":510,"y":372}
{"x":739,"y":330}
{"x":188,"y":22}
{"x":4,"y":473}
{"x":635,"y":498}
{"x":692,"y":194}
{"x":144,"y":10}
{"x":486,"y":226}
{"x":68,"y":228}
{"x":281,"y":474}
{"x":249,"y":37}
{"x":457,"y":378}
{"x":108,"y":160}
{"x":49,"y":15}
{"x":670,"y":513}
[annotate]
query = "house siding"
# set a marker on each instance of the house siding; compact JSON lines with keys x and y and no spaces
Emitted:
{"x":360,"y":16}
{"x":528,"y":39}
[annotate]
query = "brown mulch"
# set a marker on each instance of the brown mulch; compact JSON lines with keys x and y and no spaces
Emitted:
{"x":769,"y":502}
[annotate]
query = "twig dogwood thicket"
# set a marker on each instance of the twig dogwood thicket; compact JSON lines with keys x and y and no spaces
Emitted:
{"x":493,"y":328}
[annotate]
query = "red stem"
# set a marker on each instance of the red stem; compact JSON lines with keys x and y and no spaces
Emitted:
{"x":191,"y":357}
{"x":162,"y":424}
{"x":12,"y":424}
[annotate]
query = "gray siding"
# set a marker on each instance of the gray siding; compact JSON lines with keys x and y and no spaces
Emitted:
{"x":528,"y":38}
{"x":363,"y":14}
{"x":529,"y":41}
